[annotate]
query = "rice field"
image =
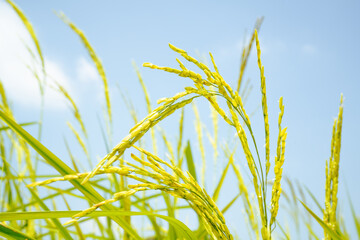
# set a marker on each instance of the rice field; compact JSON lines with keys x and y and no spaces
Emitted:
{"x":165,"y":178}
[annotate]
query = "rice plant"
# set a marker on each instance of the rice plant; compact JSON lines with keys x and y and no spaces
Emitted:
{"x":133,"y":179}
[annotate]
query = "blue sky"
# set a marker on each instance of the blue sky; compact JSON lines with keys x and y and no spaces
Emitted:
{"x":310,"y":54}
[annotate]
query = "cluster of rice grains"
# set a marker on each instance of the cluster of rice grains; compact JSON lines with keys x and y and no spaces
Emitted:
{"x":148,"y":172}
{"x":183,"y":185}
{"x":332,"y":174}
{"x":178,"y":185}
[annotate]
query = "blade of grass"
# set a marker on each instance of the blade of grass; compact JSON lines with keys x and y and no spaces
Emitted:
{"x":221,"y":181}
{"x":286,"y":235}
{"x":31,"y":31}
{"x":171,"y":213}
{"x":331,"y":232}
{"x":190,"y":161}
{"x":57,"y":223}
{"x":63,"y":169}
{"x":13,"y":234}
{"x":143,"y":199}
{"x":355,"y":218}
{"x":314,"y":199}
{"x":21,"y":124}
{"x":180,"y":139}
{"x":230,"y":203}
{"x":145,"y":207}
{"x":311,"y":231}
{"x":198,"y":129}
{"x":178,"y":225}
{"x":79,"y":233}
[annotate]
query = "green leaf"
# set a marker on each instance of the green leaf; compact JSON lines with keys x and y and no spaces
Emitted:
{"x":286,"y":235}
{"x":331,"y":232}
{"x":171,"y":213}
{"x":21,"y":124}
{"x":178,"y":225}
{"x":190,"y":161}
{"x":13,"y":234}
{"x":314,"y":199}
{"x":230,"y":203}
{"x":355,"y":218}
{"x":221,"y":181}
{"x":88,"y":191}
{"x":144,"y":207}
{"x":56,"y":222}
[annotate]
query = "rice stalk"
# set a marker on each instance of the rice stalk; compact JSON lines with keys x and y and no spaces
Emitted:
{"x":215,"y":121}
{"x":169,"y":106}
{"x":264,"y":105}
{"x":177,"y":184}
{"x":148,"y":104}
{"x":279,"y":161}
{"x":180,"y":140}
{"x":97,"y":63}
{"x":198,"y":128}
{"x":79,"y":140}
{"x":246,"y":53}
{"x":168,"y":144}
{"x":152,"y":173}
{"x":29,"y":28}
{"x":74,"y":107}
{"x":35,"y":40}
{"x":332,"y":174}
{"x":236,"y":109}
{"x":249,"y":209}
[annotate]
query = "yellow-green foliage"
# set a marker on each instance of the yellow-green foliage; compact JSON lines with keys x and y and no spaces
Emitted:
{"x":133,"y":184}
{"x":332,"y":174}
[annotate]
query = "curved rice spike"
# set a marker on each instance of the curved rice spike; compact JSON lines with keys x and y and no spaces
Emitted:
{"x":264,"y":105}
{"x":30,"y":29}
{"x":95,"y":59}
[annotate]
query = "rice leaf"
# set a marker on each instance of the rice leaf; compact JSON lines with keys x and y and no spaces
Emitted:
{"x":190,"y":161}
{"x":63,"y":169}
{"x":230,"y":203}
{"x":56,"y":222}
{"x":42,"y":199}
{"x":286,"y":235}
{"x":178,"y":225}
{"x":13,"y":234}
{"x":331,"y":232}
{"x":171,"y":213}
{"x":180,"y":139}
{"x":198,"y":128}
{"x":145,"y":207}
{"x":355,"y":218}
{"x":311,"y":231}
{"x":21,"y":124}
{"x":221,"y":181}
{"x":314,"y":199}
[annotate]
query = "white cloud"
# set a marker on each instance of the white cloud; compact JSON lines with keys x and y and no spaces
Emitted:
{"x":86,"y":70}
{"x":20,"y":84}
